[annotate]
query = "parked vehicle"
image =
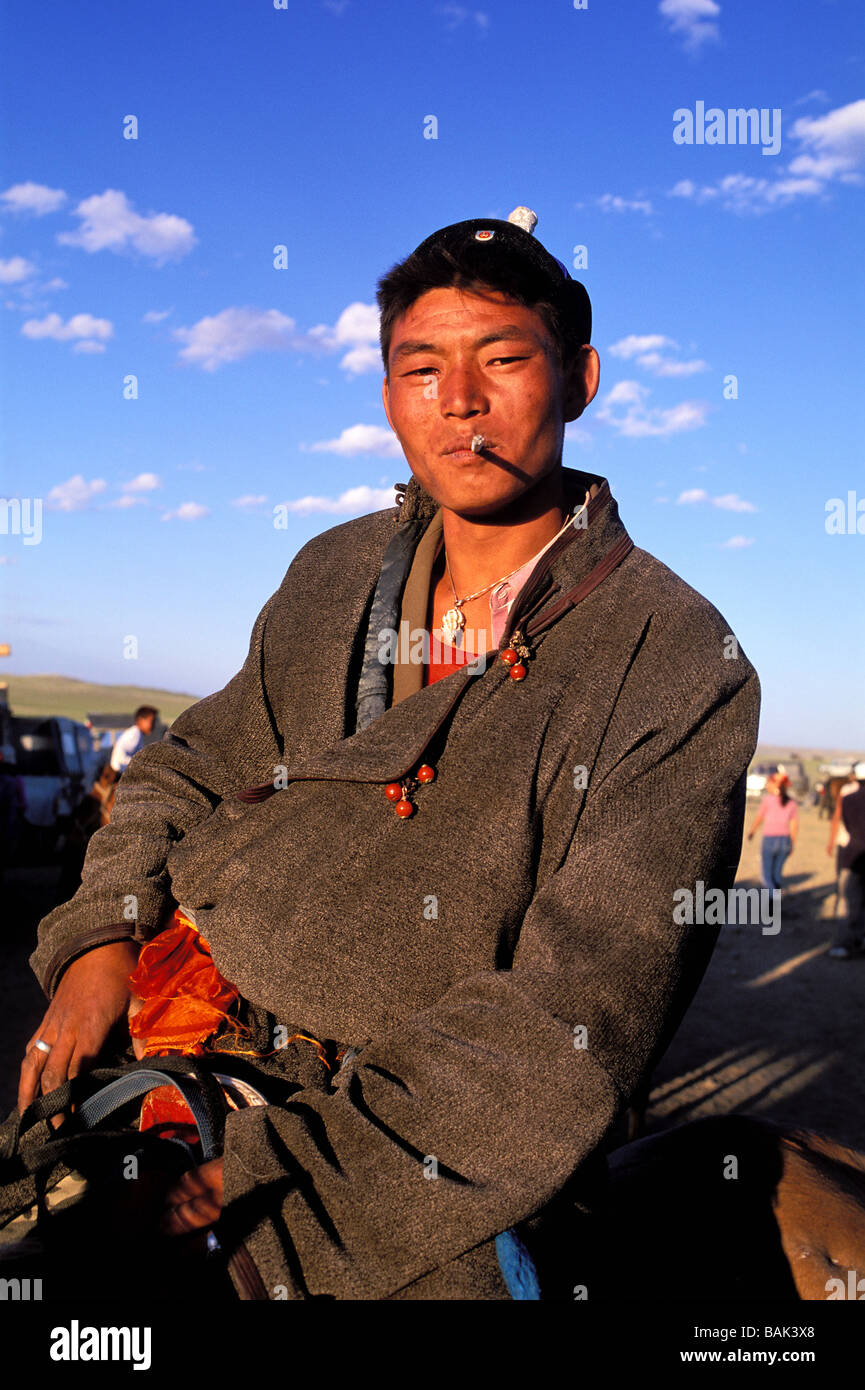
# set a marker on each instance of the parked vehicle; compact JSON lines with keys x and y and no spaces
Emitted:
{"x":57,"y":762}
{"x":795,"y":770}
{"x":758,"y":776}
{"x":760,"y":772}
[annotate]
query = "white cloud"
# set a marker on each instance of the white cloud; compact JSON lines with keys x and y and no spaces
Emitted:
{"x":90,"y":332}
{"x":144,"y":482}
{"x":832,"y":149}
{"x":640,"y":421}
{"x":738,"y":543}
{"x":79,"y":326}
{"x":743,"y":193}
{"x":361,"y":439}
{"x":686,"y":188}
{"x":357,"y":329}
{"x":625,"y":393}
{"x":577,"y":434}
{"x":355,"y":501}
{"x":688,"y":415}
{"x":233,"y":334}
{"x":457,"y":15}
{"x":816,"y":94}
{"x":56,"y":284}
{"x":363,"y":358}
{"x":636,"y":343}
{"x":75,"y":494}
{"x":358,"y":323}
{"x":732,"y":502}
{"x":666,"y":366}
{"x":34,"y":198}
{"x":644,"y":348}
{"x":728,"y":501}
{"x":695,"y":21}
{"x":110,"y":223}
{"x":155,"y":315}
{"x":127,"y":501}
{"x":187,"y":511}
{"x":249,"y":501}
{"x":237,"y":332}
{"x":834,"y":144}
{"x":16,"y":269}
{"x":611,"y":202}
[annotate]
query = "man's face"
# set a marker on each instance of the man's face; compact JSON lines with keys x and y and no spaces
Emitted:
{"x":466,"y":362}
{"x":145,"y":723}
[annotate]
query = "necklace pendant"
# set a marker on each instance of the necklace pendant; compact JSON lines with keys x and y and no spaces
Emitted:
{"x":453,"y":622}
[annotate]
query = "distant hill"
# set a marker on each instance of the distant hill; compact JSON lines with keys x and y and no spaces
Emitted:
{"x":780,"y":751}
{"x":809,"y":757}
{"x":60,"y":695}
{"x":46,"y":695}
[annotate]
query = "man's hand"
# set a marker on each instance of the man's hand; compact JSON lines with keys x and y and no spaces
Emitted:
{"x":194,"y":1202}
{"x":91,"y":998}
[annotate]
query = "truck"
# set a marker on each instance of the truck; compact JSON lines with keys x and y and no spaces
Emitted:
{"x":57,"y":763}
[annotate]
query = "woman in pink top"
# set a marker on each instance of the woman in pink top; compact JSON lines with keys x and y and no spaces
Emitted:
{"x":779,"y":816}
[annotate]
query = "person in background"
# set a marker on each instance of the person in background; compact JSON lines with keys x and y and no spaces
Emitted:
{"x":848,"y":828}
{"x":779,"y":816}
{"x":92,"y":812}
{"x":838,"y":836}
{"x":132,"y":738}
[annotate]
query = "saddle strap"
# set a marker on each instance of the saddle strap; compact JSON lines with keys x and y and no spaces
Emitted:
{"x":111,"y":1097}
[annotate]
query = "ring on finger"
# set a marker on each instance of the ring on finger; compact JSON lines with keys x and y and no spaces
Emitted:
{"x":43,"y":1046}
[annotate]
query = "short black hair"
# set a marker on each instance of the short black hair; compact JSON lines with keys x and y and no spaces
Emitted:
{"x":144,"y":710}
{"x":477,"y":265}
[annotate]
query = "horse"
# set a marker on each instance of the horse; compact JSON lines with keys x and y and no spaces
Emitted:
{"x":733,"y":1208}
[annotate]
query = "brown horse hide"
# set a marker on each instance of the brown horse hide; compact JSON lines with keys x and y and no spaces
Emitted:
{"x":731,"y":1208}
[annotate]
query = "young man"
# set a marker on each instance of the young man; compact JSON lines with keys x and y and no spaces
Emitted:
{"x":454,"y":882}
{"x":129,"y":742}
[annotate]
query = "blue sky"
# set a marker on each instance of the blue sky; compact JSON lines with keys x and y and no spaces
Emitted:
{"x":303,"y":127}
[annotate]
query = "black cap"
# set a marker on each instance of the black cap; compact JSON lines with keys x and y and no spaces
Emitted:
{"x":511,"y":239}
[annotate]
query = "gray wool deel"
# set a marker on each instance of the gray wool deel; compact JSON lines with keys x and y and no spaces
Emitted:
{"x":503,"y":965}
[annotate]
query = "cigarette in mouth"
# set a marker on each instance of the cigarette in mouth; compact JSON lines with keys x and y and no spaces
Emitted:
{"x":478,"y":442}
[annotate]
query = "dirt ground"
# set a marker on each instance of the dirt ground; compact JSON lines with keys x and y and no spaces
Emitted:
{"x":775,"y":1029}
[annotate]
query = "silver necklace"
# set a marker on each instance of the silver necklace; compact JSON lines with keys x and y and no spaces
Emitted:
{"x":454,"y":620}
